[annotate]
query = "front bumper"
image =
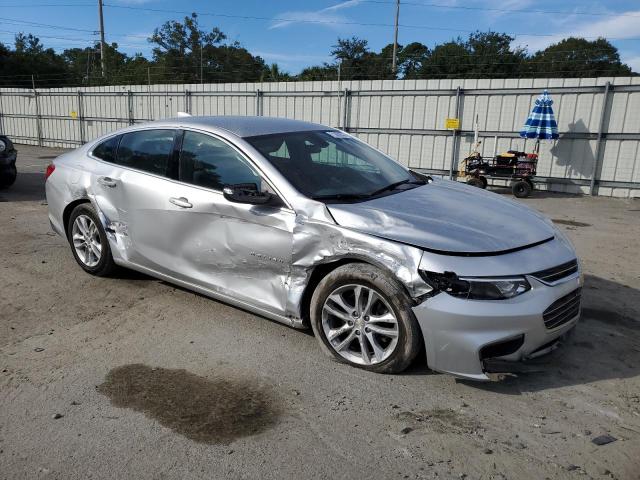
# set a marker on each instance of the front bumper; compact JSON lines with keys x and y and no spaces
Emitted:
{"x":458,"y":333}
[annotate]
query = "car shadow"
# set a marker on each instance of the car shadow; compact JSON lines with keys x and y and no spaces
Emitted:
{"x":603,"y":346}
{"x":28,"y":187}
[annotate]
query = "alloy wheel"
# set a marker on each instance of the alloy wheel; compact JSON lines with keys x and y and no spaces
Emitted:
{"x":86,"y":240}
{"x":359,"y":324}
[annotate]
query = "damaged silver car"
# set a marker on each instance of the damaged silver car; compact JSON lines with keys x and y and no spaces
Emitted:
{"x":308,"y":225}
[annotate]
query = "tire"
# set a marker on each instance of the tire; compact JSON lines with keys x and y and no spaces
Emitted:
{"x":521,"y":189}
{"x":484,"y":181}
{"x":396,"y":342}
{"x":89,"y":222}
{"x":8,"y":179}
{"x":476,"y":182}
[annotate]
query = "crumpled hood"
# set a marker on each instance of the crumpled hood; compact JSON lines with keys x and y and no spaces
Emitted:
{"x":447,"y":217}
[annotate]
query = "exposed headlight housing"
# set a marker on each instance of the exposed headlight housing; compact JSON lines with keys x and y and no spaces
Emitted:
{"x":3,"y":145}
{"x":477,"y":288}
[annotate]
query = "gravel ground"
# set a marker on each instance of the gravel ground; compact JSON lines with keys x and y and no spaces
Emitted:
{"x":131,"y":377}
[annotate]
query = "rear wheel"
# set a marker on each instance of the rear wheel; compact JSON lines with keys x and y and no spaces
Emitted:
{"x":522,"y":188}
{"x":89,"y":242}
{"x":7,"y":179}
{"x":362,"y":316}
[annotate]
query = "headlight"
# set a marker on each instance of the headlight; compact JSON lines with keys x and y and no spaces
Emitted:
{"x":3,"y":145}
{"x":477,"y":288}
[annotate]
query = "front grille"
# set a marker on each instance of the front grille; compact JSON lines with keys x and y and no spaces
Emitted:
{"x":554,"y":274}
{"x":562,"y":310}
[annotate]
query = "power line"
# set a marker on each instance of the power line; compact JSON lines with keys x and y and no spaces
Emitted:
{"x":387,"y":2}
{"x":337,"y":22}
{"x":32,"y":5}
{"x":52,"y":36}
{"x":506,"y":10}
{"x":15,"y":21}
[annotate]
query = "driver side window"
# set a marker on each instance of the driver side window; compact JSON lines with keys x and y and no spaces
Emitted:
{"x":208,"y":162}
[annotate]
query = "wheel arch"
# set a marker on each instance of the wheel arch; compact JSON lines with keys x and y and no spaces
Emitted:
{"x":321,"y":270}
{"x":66,"y":213}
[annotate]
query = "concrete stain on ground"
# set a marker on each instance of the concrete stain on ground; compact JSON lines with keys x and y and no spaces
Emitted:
{"x":571,"y":223}
{"x":213,"y":411}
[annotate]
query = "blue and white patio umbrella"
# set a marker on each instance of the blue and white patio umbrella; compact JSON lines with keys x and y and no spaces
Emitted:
{"x":541,"y":123}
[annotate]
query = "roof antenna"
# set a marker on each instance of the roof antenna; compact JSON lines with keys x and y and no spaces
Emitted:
{"x":183,"y":114}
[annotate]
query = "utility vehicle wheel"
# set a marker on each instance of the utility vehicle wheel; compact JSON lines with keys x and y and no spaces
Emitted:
{"x":362,"y":316}
{"x":89,"y":242}
{"x":476,"y":182}
{"x":9,"y":179}
{"x":521,"y":189}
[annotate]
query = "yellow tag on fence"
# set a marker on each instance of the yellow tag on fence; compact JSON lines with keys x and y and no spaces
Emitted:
{"x":452,"y":124}
{"x":74,"y":114}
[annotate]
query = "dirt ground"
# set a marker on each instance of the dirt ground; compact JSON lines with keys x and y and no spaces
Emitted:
{"x":130,"y":377}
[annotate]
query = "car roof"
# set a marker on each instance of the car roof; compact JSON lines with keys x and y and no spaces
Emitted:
{"x":244,"y":126}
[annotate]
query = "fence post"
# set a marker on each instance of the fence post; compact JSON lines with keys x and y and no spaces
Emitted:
{"x":259,"y":103}
{"x":187,"y":101}
{"x":80,"y":117}
{"x":596,"y":161}
{"x":345,"y":109}
{"x":38,"y":117}
{"x":454,"y":134}
{"x":130,"y":106}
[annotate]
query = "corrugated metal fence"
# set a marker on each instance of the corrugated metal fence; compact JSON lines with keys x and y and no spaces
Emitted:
{"x":599,"y":119}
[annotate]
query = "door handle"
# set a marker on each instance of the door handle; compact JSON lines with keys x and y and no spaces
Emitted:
{"x":107,"y":182}
{"x":180,"y":202}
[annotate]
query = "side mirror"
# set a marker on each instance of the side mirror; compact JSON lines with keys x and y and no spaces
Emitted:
{"x":248,"y":193}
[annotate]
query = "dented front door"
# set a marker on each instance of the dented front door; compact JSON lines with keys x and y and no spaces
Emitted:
{"x":234,"y":249}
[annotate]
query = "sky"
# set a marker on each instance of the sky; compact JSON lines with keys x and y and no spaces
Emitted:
{"x":296,"y":34}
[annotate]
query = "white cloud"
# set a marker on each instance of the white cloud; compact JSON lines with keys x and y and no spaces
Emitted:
{"x":325,"y":16}
{"x":622,"y":27}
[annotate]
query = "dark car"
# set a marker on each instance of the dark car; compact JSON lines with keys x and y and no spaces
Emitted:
{"x":8,"y":155}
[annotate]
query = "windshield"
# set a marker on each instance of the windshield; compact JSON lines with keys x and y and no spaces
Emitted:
{"x":327,"y":165}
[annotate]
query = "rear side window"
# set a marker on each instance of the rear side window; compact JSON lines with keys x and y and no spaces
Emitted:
{"x":147,"y":150}
{"x":107,"y":150}
{"x":208,"y":162}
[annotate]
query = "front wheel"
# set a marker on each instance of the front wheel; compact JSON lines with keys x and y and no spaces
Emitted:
{"x":362,"y":316}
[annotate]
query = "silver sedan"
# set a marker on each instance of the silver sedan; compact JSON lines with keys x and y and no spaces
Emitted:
{"x":309,"y":226}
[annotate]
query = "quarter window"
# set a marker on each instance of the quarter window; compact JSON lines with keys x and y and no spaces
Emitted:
{"x":208,"y":162}
{"x":147,"y":150}
{"x":107,"y":150}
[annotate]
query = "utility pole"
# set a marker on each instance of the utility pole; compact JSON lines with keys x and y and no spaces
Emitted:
{"x":102,"y":62}
{"x":395,"y":38}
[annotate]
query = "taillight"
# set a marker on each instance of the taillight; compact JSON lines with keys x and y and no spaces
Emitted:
{"x":50,"y":168}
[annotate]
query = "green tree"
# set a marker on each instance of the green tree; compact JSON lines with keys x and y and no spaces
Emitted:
{"x":492,"y":55}
{"x":447,"y":60}
{"x":577,"y":57}
{"x":325,"y":71}
{"x":357,"y":62}
{"x":182,"y":50}
{"x":411,"y":58}
{"x":274,"y":74}
{"x":30,"y":57}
